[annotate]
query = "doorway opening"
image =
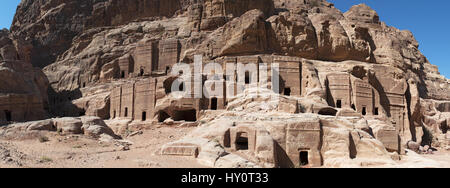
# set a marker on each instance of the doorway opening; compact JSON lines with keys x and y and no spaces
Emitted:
{"x":181,"y":87}
{"x":8,"y":115}
{"x":364,"y":111}
{"x":126,"y":112}
{"x":339,"y":104}
{"x":247,"y":78}
{"x":376,"y":112}
{"x":167,"y":69}
{"x":444,"y":128}
{"x":242,"y":141}
{"x":214,"y":103}
{"x":287,"y":91}
{"x":141,"y":73}
{"x":304,"y":158}
{"x":144,"y":116}
{"x":122,"y":74}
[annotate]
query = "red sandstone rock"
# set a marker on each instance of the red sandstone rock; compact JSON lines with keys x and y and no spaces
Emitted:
{"x":111,"y":59}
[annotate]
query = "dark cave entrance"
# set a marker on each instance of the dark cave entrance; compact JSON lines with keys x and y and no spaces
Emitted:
{"x":8,"y":115}
{"x":144,"y":116}
{"x":163,"y":116}
{"x":444,"y":127}
{"x":339,"y":104}
{"x":181,"y":87}
{"x":327,"y":112}
{"x":287,"y":91}
{"x":214,"y":103}
{"x":82,"y":112}
{"x":186,"y":115}
{"x":242,"y":141}
{"x":167,"y":69}
{"x":304,"y":158}
{"x":247,"y":78}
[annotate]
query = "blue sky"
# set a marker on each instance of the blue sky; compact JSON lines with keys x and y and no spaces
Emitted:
{"x":428,"y":20}
{"x":7,"y":10}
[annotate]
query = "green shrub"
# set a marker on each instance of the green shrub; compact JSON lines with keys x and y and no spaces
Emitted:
{"x":45,"y":159}
{"x":43,"y":139}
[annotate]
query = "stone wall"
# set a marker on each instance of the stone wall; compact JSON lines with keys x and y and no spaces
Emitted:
{"x":146,"y":56}
{"x":290,"y":69}
{"x":23,"y":88}
{"x":116,"y":99}
{"x":169,"y":54}
{"x":145,"y":99}
{"x":155,"y":57}
{"x":352,"y":94}
{"x":243,"y":138}
{"x":146,"y":94}
{"x":127,"y":101}
{"x":126,"y":66}
{"x":363,"y":97}
{"x":303,"y":140}
{"x":339,"y":90}
{"x":298,"y":78}
{"x":21,"y":107}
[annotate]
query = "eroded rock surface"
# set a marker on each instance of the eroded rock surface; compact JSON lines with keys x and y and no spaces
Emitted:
{"x":23,"y":88}
{"x":353,"y":90}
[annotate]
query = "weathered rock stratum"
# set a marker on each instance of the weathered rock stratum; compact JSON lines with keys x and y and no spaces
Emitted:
{"x":354,"y":91}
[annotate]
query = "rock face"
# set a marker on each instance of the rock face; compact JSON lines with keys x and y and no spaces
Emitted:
{"x":293,"y":34}
{"x":308,"y":29}
{"x":23,"y":89}
{"x":358,"y":89}
{"x":56,"y":22}
{"x":51,"y":25}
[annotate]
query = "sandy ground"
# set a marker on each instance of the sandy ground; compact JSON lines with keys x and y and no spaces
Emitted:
{"x":78,"y":151}
{"x":440,"y":158}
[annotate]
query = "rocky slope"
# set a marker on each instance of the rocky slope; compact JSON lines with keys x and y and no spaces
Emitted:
{"x":81,"y":46}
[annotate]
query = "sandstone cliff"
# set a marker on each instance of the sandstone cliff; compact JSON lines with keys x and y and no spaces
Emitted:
{"x":23,"y":88}
{"x":96,"y":53}
{"x":48,"y":32}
